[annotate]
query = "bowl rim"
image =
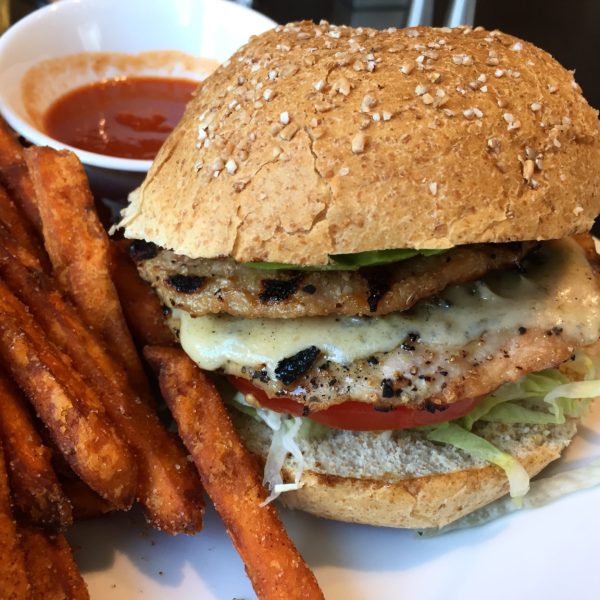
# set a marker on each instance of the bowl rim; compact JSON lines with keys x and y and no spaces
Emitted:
{"x":34,"y":135}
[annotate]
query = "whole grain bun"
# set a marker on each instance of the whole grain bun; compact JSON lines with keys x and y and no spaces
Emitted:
{"x":400,"y":479}
{"x":314,"y":140}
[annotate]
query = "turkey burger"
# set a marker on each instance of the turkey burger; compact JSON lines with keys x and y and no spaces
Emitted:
{"x":370,"y":234}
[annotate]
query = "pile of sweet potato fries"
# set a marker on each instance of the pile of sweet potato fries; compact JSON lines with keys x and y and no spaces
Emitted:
{"x":80,"y":434}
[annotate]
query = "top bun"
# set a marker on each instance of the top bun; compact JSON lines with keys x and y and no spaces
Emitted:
{"x":315,"y":140}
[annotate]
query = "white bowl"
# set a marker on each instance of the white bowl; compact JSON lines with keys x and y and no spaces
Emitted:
{"x":211,"y":29}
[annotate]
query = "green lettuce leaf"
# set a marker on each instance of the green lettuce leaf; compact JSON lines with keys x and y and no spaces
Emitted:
{"x":512,"y":413}
{"x":350,"y":262}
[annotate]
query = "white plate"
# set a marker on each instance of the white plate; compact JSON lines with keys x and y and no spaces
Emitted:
{"x":550,"y":553}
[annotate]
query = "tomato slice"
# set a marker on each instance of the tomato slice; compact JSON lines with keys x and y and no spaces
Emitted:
{"x":358,"y":416}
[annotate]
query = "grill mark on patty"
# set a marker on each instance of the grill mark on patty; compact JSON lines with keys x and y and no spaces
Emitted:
{"x":186,"y":284}
{"x":379,"y":284}
{"x":293,"y":367}
{"x":387,"y":389}
{"x":278,"y":290}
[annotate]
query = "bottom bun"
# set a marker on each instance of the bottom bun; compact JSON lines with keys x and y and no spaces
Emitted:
{"x":399,"y":478}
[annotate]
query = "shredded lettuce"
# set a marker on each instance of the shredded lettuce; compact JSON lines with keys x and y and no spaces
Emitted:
{"x":451,"y":433}
{"x":549,"y":398}
{"x":553,"y":398}
{"x":282,"y":444}
{"x":534,"y":385}
{"x":285,"y":431}
{"x":546,"y":397}
{"x":350,"y":262}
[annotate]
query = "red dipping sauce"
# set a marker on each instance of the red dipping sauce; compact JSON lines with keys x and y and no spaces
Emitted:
{"x":126,"y":117}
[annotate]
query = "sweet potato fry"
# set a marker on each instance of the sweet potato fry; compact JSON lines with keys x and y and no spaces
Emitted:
{"x":14,"y":583}
{"x":21,"y":231}
{"x":24,"y":255}
{"x":232,"y":479}
{"x":80,"y":253}
{"x":14,"y":174}
{"x":70,"y":410}
{"x":39,"y":291}
{"x":140,"y":303}
{"x":169,"y":488}
{"x":51,"y":567}
{"x":85,"y":502}
{"x":37,"y":494}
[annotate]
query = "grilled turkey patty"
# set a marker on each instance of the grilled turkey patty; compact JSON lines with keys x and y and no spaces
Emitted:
{"x":213,"y":286}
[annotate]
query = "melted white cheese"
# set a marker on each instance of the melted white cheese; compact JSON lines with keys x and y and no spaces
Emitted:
{"x":560,"y":290}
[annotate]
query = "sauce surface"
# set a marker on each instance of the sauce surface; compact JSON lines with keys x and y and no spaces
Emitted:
{"x":125,"y":117}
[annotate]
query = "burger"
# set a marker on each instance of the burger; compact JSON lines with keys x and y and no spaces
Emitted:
{"x":378,"y":238}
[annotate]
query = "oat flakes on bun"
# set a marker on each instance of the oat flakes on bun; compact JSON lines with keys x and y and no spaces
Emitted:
{"x":378,"y":237}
